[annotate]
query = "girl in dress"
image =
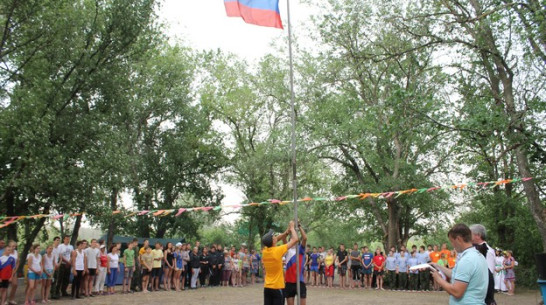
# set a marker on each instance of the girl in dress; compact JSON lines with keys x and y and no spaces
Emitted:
{"x":510,"y":276}
{"x":178,"y":266}
{"x":47,"y":276}
{"x":35,"y":267}
{"x":499,"y":272}
{"x":228,"y":266}
{"x":168,"y":267}
{"x":236,"y":277}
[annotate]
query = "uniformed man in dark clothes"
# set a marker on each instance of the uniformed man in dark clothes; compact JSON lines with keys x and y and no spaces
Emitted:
{"x":204,"y":259}
{"x":213,"y":265}
{"x":220,"y":265}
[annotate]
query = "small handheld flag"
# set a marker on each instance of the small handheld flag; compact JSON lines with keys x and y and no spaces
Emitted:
{"x":258,"y":12}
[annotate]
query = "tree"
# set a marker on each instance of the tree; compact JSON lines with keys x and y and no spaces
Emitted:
{"x":498,"y":50}
{"x":54,"y":75}
{"x":368,"y":112}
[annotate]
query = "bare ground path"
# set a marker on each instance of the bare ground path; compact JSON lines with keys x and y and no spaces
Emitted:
{"x":252,"y":295}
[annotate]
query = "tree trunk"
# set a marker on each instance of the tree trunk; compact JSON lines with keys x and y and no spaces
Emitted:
{"x":537,"y":209}
{"x":393,"y":237}
{"x":112,"y":226}
{"x":76,"y":231}
{"x":10,"y":211}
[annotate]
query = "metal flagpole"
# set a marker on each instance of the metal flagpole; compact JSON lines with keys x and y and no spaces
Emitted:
{"x":293,"y":146}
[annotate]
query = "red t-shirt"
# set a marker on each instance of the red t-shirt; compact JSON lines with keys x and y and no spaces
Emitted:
{"x":378,"y":261}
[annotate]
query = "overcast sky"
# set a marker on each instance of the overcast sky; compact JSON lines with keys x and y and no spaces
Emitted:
{"x":203,"y":25}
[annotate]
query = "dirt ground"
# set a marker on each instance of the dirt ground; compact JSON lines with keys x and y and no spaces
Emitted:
{"x":252,"y":295}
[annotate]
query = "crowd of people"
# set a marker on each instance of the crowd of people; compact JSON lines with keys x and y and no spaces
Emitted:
{"x":91,"y":269}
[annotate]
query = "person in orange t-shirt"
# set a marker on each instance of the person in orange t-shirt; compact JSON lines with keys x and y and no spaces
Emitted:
{"x":445,"y":251}
{"x":272,"y":262}
{"x":435,"y":254}
{"x":452,"y":260}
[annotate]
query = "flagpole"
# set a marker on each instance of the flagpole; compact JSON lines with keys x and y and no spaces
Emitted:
{"x":293,"y":146}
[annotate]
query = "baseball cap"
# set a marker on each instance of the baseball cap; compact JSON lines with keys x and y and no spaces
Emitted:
{"x":267,"y":239}
{"x":178,"y":245}
{"x":102,"y":246}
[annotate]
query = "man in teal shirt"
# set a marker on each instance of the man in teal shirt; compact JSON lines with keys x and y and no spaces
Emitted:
{"x":469,"y":278}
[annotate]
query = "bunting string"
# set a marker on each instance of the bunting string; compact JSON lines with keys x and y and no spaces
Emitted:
{"x":9,"y":220}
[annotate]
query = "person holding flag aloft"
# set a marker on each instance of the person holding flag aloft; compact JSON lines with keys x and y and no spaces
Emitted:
{"x":272,"y":261}
{"x":290,"y":291}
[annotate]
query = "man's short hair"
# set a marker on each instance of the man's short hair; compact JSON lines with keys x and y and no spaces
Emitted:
{"x":56,"y":238}
{"x":461,"y":230}
{"x":478,"y":229}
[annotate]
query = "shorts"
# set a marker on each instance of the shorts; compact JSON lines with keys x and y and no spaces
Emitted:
{"x":4,"y":283}
{"x":254,"y":271}
{"x":342,"y":270}
{"x":377,"y":272}
{"x":314,"y":268}
{"x":146,"y":272}
{"x":128,"y":271}
{"x":329,"y":271}
{"x":366,"y":271}
{"x":245,"y":270}
{"x":33,"y":276}
{"x":356,"y":272}
{"x":45,"y":276}
{"x":92,"y":271}
{"x":273,"y":296}
{"x":321,"y":269}
{"x":156,"y":272}
{"x":291,"y":290}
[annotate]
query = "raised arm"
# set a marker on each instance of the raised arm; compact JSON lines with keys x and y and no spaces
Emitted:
{"x":293,"y":235}
{"x":303,"y":236}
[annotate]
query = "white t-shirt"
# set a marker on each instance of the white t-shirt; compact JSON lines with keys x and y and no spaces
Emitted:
{"x":14,"y":255}
{"x":36,"y":262}
{"x":48,"y":261}
{"x":91,"y":255}
{"x":114,"y":260}
{"x":65,"y":251}
{"x":56,"y":254}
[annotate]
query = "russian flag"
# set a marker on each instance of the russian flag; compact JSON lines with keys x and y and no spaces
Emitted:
{"x":258,"y":12}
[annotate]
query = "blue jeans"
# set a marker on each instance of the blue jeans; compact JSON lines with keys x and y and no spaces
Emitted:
{"x":112,"y":277}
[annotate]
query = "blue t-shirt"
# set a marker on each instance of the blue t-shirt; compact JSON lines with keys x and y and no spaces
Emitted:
{"x":422,"y":258}
{"x":471,"y":268}
{"x":390,"y":263}
{"x":402,"y":263}
{"x":412,"y":261}
{"x":367,"y":260}
{"x":314,"y":259}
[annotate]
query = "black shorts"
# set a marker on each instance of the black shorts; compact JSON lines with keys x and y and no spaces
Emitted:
{"x":342,"y":270}
{"x":291,"y":290}
{"x":356,"y":272}
{"x":376,"y":272}
{"x":273,"y":296}
{"x":4,"y":283}
{"x":92,"y":271}
{"x":156,"y":272}
{"x":146,"y":272}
